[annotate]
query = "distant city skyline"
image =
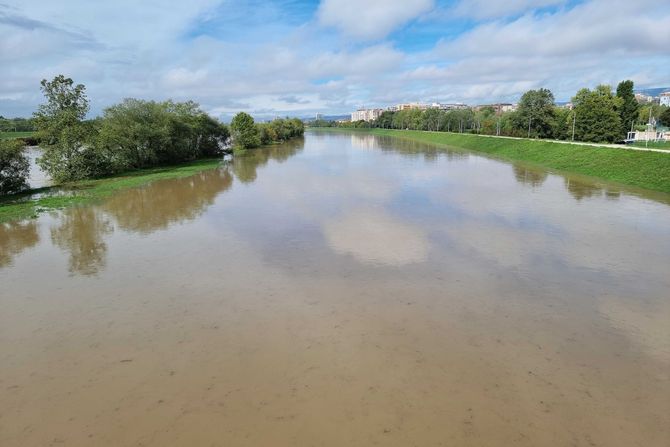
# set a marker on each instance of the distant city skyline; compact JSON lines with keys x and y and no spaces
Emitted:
{"x":299,"y":58}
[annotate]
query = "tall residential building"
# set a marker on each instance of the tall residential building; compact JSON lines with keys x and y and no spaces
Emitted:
{"x":366,"y":114}
{"x":412,"y":105}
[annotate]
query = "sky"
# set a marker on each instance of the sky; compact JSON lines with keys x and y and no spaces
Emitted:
{"x":297,"y":58}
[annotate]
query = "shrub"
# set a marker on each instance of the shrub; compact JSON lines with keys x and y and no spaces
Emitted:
{"x":14,"y":166}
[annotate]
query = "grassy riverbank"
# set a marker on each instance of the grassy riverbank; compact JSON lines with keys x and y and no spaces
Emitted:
{"x":31,"y":203}
{"x":12,"y":135}
{"x":653,"y":145}
{"x":650,"y":170}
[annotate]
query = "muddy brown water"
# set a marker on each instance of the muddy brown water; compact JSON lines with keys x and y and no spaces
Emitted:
{"x":344,"y":290}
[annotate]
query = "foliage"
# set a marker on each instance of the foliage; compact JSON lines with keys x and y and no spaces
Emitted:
{"x":597,"y":112}
{"x":64,"y":136}
{"x":16,"y":124}
{"x":279,"y":130}
{"x":324,"y":123}
{"x":244,"y":132}
{"x":14,"y":167}
{"x":536,"y":113}
{"x":649,"y":111}
{"x":664,"y":117}
{"x":137,"y":134}
{"x":629,"y":107}
{"x":563,"y":124}
{"x":130,"y":135}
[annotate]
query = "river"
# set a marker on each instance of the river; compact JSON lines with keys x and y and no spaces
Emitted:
{"x":341,"y":290}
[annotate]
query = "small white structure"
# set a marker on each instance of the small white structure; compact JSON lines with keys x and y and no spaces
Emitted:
{"x":664,"y":99}
{"x":647,"y":135}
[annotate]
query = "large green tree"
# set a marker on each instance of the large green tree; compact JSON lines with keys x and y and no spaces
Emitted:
{"x":629,"y":107}
{"x":535,"y":114}
{"x":244,"y":132}
{"x":66,"y":140}
{"x":597,"y":115}
{"x":14,"y":166}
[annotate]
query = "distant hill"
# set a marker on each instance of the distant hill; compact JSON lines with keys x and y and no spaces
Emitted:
{"x":328,"y":117}
{"x":655,"y":91}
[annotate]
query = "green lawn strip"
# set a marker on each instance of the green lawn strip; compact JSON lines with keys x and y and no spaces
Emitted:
{"x":11,"y":135}
{"x":650,"y":170}
{"x":665,"y":145}
{"x":33,"y":202}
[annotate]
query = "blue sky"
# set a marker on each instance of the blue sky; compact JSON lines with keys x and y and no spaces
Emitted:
{"x":292,"y":57}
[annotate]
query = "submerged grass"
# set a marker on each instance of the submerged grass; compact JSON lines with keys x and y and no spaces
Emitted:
{"x":649,"y":170}
{"x":31,"y":203}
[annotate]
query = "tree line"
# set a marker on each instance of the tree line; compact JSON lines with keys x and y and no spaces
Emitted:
{"x":598,"y":115}
{"x":247,"y":134}
{"x":133,"y":134}
{"x":16,"y":124}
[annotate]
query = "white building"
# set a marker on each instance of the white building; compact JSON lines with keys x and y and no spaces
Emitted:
{"x":452,"y":106}
{"x":648,"y":135}
{"x":641,"y":97}
{"x":664,"y":99}
{"x":366,"y":114}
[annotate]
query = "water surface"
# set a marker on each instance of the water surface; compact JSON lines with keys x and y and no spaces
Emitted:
{"x":341,"y":290}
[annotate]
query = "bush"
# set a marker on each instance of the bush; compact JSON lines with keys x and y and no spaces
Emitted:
{"x":14,"y":167}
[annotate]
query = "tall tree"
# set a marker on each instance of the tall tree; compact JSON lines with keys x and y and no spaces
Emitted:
{"x":68,"y":153}
{"x":385,"y":121}
{"x":244,"y":132}
{"x":629,"y":107}
{"x":597,"y":115}
{"x":432,"y":119}
{"x":536,"y":114}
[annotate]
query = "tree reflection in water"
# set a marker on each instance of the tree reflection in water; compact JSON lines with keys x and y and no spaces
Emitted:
{"x":80,"y":233}
{"x":415,"y":149}
{"x":530,"y":177}
{"x":16,"y":237}
{"x":162,"y":203}
{"x":581,"y":190}
{"x":245,"y":166}
{"x":156,"y":206}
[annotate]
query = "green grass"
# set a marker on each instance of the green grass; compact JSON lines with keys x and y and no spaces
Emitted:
{"x":654,"y":145}
{"x":649,"y":170}
{"x":33,"y":202}
{"x":11,"y":135}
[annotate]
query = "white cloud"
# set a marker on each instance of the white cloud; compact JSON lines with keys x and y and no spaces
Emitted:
{"x":594,"y":28}
{"x":487,"y":9}
{"x":370,"y":19}
{"x":374,"y":237}
{"x":205,"y":52}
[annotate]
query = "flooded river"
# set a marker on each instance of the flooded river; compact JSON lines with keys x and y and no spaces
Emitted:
{"x":344,"y":290}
